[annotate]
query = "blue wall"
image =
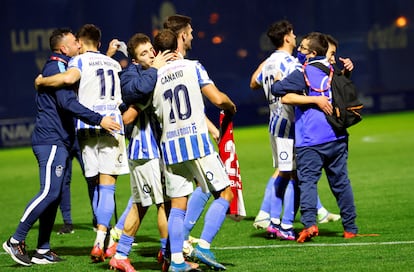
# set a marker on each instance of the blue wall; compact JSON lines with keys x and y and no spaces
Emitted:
{"x":382,"y":52}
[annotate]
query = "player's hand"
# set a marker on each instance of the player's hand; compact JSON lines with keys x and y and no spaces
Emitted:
{"x":113,"y":46}
{"x":109,"y":124}
{"x":162,"y":58}
{"x":323,"y":103}
{"x":130,"y":115}
{"x":37,"y":81}
{"x":347,"y":62}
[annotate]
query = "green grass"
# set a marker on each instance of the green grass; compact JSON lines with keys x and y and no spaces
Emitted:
{"x":381,"y":156}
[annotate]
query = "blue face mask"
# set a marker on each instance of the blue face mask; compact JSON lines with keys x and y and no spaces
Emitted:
{"x":301,"y":57}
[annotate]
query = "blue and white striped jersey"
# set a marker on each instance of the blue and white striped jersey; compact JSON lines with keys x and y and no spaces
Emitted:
{"x":282,"y":116}
{"x":99,"y":87}
{"x":143,"y":143}
{"x":179,"y":107}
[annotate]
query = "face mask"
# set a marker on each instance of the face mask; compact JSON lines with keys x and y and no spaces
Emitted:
{"x":301,"y":57}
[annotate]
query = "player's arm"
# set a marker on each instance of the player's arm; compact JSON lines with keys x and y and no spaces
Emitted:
{"x":68,"y":101}
{"x":218,"y":98}
{"x":67,"y":78}
{"x":297,"y":100}
{"x":214,"y":131}
{"x":254,"y":85}
{"x":130,"y":115}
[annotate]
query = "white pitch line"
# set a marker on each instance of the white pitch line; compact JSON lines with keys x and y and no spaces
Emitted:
{"x":315,"y":245}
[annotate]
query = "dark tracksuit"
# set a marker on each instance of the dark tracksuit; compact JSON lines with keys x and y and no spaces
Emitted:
{"x":52,"y":139}
{"x":318,"y":147}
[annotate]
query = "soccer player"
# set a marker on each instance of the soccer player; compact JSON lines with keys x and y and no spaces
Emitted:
{"x":317,"y":145}
{"x":104,"y":154}
{"x":52,"y":139}
{"x":181,"y":26}
{"x":138,"y":82}
{"x":187,"y":150}
{"x":281,"y":129}
{"x":283,"y":183}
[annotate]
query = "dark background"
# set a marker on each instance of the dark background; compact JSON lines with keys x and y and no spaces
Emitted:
{"x":366,"y":31}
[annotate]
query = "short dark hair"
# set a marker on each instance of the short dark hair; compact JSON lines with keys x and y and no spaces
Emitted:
{"x":177,"y":22}
{"x":277,"y":32}
{"x":166,"y":39}
{"x":134,"y":41}
{"x":318,"y":43}
{"x":90,"y":33}
{"x":57,"y":36}
{"x":332,"y":40}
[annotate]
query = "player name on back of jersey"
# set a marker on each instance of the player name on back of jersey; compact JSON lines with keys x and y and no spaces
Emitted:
{"x":102,"y":61}
{"x":171,"y":76}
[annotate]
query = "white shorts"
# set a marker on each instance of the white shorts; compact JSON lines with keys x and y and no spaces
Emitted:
{"x":283,"y":153}
{"x":104,"y":154}
{"x":146,"y":185}
{"x":209,"y":172}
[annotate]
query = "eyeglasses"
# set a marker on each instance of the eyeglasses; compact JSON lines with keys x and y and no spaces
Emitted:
{"x":301,"y":47}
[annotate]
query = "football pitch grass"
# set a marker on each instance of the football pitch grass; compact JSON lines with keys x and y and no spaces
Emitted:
{"x":381,"y":156}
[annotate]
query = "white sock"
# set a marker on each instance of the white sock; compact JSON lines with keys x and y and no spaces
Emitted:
{"x":100,"y":238}
{"x":42,"y":251}
{"x":275,"y":221}
{"x":263,"y":214}
{"x":204,"y":244}
{"x":177,"y":257}
{"x":322,"y":211}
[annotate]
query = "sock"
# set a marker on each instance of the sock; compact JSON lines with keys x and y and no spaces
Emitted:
{"x":106,"y":205}
{"x":163,"y":242}
{"x":265,"y":207}
{"x":289,"y":206}
{"x":95,"y":200}
{"x":100,"y":238}
{"x":214,"y":219}
{"x":277,"y":195}
{"x":175,"y":232}
{"x":195,"y":207}
{"x":42,"y":250}
{"x":319,"y":204}
{"x":124,"y":245}
{"x":121,"y":220}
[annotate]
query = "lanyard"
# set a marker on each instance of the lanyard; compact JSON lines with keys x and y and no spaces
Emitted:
{"x":328,"y":85}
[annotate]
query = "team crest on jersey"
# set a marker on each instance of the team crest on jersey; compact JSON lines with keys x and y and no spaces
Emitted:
{"x":59,"y":170}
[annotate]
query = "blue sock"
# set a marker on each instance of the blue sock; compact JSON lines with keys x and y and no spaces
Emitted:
{"x":163,"y":242}
{"x":214,"y":219}
{"x":175,"y":230}
{"x":106,"y":204}
{"x":289,"y":204}
{"x":319,"y":204}
{"x":279,"y":188}
{"x":267,"y":196}
{"x":95,"y":199}
{"x":195,"y":207}
{"x":121,"y":221}
{"x":124,"y":245}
